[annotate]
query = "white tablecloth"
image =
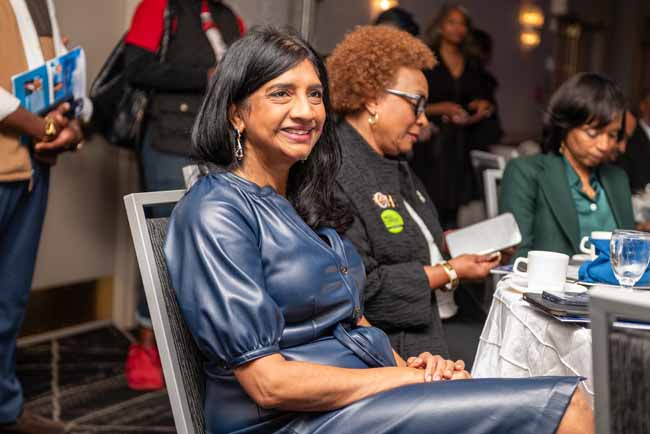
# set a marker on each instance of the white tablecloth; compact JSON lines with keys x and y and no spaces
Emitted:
{"x":519,"y":341}
{"x":641,"y":206}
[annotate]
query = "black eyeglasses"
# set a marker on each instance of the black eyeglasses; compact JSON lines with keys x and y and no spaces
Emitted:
{"x":419,"y":102}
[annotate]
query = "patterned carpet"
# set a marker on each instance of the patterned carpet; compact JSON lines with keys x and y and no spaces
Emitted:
{"x":80,"y":380}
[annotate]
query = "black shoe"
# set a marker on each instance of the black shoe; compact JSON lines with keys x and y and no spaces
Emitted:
{"x":30,"y":423}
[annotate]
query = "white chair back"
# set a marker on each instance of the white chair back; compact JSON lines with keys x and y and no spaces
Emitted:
{"x":491,"y":179}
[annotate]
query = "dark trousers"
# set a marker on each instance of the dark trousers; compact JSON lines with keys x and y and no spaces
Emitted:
{"x":161,"y":171}
{"x":21,"y":220}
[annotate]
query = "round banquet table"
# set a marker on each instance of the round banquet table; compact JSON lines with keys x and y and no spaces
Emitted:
{"x":520,"y":341}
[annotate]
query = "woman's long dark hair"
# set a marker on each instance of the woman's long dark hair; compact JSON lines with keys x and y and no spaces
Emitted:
{"x":585,"y":99}
{"x":260,"y":56}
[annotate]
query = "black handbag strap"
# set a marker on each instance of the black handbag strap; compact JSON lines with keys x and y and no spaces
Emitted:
{"x":167,"y":31}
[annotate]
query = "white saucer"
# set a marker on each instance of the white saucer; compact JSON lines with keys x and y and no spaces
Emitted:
{"x":581,"y":257}
{"x":520,"y":284}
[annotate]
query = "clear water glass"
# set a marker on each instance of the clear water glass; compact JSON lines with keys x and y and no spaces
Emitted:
{"x":630,"y":256}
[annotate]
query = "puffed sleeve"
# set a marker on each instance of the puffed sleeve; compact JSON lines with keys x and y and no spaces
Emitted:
{"x":215,"y":266}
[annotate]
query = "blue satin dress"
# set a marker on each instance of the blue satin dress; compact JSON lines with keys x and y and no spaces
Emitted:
{"x":253,"y":279}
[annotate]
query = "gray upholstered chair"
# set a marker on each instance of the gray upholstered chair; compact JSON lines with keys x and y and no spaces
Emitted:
{"x":181,"y":361}
{"x":621,"y":358}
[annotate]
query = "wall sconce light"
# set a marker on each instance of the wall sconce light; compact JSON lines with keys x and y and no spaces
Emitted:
{"x":384,"y":5}
{"x":531,"y":16}
{"x":531,"y":19}
{"x":529,"y":39}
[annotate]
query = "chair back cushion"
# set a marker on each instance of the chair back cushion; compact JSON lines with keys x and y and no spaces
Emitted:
{"x":630,"y":381}
{"x":187,"y":353}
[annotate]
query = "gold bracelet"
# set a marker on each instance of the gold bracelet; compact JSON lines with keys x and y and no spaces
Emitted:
{"x":451,"y":274}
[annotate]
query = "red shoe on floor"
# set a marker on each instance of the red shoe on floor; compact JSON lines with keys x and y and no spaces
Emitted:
{"x":143,"y":369}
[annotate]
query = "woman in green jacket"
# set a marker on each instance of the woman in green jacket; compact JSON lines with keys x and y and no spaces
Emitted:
{"x":562,"y":195}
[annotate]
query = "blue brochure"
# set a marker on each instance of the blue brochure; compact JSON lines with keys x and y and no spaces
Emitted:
{"x":60,"y":79}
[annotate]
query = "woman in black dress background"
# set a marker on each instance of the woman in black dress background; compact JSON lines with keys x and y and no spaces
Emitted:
{"x":460,"y":100}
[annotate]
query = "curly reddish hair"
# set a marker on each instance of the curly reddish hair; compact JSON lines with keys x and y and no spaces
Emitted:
{"x":366,"y":61}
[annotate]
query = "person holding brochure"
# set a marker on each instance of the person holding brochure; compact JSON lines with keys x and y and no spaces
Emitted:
{"x":29,"y":145}
{"x":396,"y":228}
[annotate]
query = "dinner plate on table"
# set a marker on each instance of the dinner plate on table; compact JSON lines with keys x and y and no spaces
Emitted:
{"x":520,"y":284}
{"x":579,"y":258}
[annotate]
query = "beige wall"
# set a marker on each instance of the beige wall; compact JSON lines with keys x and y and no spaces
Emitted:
{"x":265,"y":12}
{"x":79,"y":235}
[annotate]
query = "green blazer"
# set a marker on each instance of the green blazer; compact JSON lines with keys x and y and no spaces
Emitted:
{"x":536,"y":191}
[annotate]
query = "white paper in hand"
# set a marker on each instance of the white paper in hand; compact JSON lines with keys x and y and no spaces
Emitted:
{"x":485,"y":237}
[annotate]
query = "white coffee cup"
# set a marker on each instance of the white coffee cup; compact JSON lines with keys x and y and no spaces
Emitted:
{"x":595,"y":235}
{"x":546,"y":271}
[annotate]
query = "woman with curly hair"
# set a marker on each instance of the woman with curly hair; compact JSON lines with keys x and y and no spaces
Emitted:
{"x":379,"y":91}
{"x":270,"y":290}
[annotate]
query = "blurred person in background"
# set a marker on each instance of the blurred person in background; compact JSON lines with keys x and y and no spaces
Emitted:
{"x":571,"y":190}
{"x":29,"y":145}
{"x":400,"y":18}
{"x":379,"y":91}
{"x":488,"y":131}
{"x":201,"y":32}
{"x":459,"y":99}
{"x":635,"y":159}
{"x":629,"y":127}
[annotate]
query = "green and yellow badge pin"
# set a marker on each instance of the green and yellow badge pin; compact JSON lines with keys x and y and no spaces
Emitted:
{"x":393,"y":221}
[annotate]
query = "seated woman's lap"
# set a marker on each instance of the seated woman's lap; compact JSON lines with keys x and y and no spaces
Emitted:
{"x":477,"y":406}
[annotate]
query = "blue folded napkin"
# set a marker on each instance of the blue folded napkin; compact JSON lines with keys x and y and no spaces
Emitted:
{"x":600,"y":271}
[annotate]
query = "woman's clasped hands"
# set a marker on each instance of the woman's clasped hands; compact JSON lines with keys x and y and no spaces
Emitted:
{"x":437,"y":368}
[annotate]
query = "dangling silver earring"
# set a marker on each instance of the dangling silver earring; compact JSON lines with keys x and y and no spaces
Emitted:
{"x":239,"y":150}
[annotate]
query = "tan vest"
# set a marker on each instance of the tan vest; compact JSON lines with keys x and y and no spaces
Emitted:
{"x":15,"y":163}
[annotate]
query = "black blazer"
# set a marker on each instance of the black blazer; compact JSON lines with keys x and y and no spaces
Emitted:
{"x":397,"y":295}
{"x":636,"y":158}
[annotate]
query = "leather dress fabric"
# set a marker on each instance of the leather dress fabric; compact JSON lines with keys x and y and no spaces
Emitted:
{"x":252,"y":279}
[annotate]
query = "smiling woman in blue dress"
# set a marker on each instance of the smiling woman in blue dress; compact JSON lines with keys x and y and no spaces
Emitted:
{"x":270,"y":290}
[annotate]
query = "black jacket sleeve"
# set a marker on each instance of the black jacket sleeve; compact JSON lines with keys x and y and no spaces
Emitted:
{"x":145,"y":71}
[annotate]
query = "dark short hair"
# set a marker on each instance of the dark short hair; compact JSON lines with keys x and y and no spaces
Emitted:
{"x":585,"y":99}
{"x":400,"y":18}
{"x":260,"y":56}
